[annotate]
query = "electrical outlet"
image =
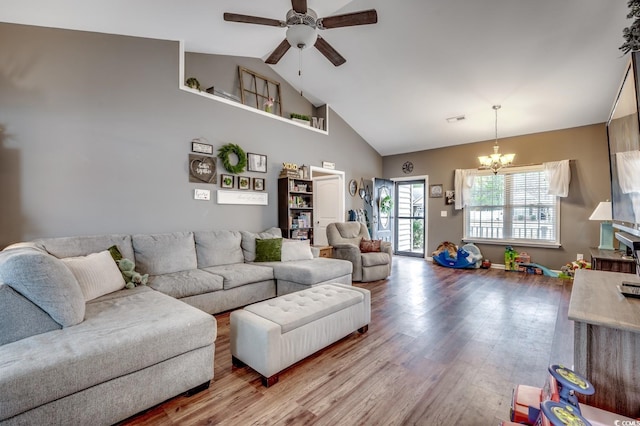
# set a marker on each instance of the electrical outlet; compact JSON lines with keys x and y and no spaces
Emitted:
{"x":443,"y":213}
{"x":580,"y":256}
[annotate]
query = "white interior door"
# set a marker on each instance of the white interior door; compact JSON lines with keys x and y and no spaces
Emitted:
{"x":327,"y":191}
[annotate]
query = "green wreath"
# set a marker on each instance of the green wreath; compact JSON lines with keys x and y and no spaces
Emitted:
{"x":386,"y":204}
{"x":223,"y":154}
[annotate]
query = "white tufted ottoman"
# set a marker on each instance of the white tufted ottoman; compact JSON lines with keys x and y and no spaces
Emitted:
{"x":272,"y":335}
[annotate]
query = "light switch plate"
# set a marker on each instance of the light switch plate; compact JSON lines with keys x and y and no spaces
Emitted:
{"x":202,"y":194}
{"x":443,"y":213}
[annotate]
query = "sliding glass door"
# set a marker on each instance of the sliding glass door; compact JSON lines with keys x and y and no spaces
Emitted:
{"x":410,"y":218}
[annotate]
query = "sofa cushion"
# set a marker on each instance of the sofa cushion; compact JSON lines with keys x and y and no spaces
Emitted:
{"x":311,"y":272}
{"x":97,"y":274}
{"x":295,"y":250}
{"x":241,"y":274}
{"x":215,"y":248}
{"x":249,"y":241}
{"x":46,"y":282}
{"x":374,"y":259}
{"x":186,"y":283}
{"x":303,"y":307}
{"x":81,"y":246}
{"x":158,"y":254}
{"x":127,"y":334}
{"x":268,"y":249}
{"x":19,"y":318}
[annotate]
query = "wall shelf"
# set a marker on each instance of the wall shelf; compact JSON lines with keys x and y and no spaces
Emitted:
{"x":220,"y":99}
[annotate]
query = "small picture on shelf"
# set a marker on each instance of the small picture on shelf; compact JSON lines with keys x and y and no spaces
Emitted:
{"x":243,"y":182}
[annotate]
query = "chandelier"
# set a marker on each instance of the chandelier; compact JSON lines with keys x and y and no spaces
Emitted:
{"x":495,"y":161}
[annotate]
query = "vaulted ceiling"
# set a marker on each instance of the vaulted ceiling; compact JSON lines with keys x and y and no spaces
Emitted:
{"x":551,"y":64}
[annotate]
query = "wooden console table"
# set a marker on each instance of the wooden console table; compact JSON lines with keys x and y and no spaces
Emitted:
{"x":607,"y":340}
{"x":612,"y":260}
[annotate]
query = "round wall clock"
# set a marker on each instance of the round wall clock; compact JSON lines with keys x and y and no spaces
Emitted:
{"x":407,"y":167}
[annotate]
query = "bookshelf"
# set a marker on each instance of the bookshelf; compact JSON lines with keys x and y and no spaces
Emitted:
{"x":295,"y":208}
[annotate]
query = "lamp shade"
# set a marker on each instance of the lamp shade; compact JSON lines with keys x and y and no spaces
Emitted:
{"x":602,"y":212}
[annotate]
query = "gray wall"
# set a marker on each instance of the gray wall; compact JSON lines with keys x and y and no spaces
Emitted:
{"x":590,"y":184}
{"x":95,"y":137}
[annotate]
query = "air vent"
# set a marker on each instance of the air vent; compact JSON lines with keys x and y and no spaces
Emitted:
{"x":456,"y":119}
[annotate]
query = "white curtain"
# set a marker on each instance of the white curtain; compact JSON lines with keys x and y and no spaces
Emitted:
{"x":558,"y":175}
{"x":462,"y":185}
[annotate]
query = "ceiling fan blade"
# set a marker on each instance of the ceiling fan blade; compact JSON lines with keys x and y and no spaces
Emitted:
{"x":349,"y":19}
{"x":234,"y":17}
{"x":300,"y":6}
{"x":329,"y":52}
{"x":277,"y":54}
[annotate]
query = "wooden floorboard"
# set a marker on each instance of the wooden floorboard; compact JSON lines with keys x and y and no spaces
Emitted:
{"x":444,"y":347}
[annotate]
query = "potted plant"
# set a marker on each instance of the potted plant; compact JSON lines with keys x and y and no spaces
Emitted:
{"x":193,"y":83}
{"x":301,"y":118}
{"x":631,"y":33}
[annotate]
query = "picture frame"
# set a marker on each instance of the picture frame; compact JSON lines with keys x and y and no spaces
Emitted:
{"x":244,"y":182}
{"x":227,"y":181}
{"x":435,"y":191}
{"x":202,"y":169}
{"x":353,"y":187}
{"x":201,"y":148}
{"x":449,"y":197}
{"x":256,"y":162}
{"x":258,"y":184}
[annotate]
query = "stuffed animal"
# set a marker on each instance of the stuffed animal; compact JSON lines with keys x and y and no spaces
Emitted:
{"x":450,"y":248}
{"x":132,"y":277}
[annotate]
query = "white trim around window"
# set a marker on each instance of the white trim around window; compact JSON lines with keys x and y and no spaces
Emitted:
{"x":512,"y":208}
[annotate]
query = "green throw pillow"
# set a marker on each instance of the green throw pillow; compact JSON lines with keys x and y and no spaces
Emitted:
{"x":115,"y":253}
{"x":268,"y":250}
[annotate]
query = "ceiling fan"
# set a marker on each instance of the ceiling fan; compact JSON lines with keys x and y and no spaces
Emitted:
{"x":302,"y":24}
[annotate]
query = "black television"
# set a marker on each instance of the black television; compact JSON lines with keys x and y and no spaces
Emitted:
{"x":623,"y":132}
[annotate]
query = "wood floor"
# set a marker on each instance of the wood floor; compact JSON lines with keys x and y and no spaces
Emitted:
{"x":444,"y":347}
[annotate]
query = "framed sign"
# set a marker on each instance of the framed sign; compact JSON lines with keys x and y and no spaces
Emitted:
{"x":202,"y":169}
{"x":201,"y":148}
{"x":238,"y":197}
{"x":435,"y":191}
{"x":256,"y":162}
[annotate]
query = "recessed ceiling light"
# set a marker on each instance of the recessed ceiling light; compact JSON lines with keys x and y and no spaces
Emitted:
{"x":455,"y":119}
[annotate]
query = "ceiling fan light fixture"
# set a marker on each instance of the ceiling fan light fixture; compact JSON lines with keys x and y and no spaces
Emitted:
{"x":301,"y":36}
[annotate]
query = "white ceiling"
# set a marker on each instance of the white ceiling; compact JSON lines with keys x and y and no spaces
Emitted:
{"x":551,"y":64}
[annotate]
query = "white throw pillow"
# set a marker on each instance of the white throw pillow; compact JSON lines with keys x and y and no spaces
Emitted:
{"x":97,"y":273}
{"x":295,"y":250}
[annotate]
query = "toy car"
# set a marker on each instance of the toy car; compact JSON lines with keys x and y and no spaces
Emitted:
{"x":559,"y":394}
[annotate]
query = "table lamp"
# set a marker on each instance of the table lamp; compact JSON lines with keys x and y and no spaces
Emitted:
{"x":603,"y":214}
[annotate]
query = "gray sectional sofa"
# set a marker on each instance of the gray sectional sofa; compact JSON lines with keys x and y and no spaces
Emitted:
{"x":65,"y":359}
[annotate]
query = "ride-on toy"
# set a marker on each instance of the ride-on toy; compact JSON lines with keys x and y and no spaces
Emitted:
{"x":557,"y":403}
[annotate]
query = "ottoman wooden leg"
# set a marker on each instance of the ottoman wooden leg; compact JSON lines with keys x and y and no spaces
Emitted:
{"x":364,"y":329}
{"x":237,"y":363}
{"x":269,"y":381}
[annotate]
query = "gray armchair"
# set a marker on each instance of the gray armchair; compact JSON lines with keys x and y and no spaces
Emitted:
{"x":345,"y":238}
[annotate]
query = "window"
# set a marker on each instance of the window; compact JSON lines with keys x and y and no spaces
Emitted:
{"x":513,"y":207}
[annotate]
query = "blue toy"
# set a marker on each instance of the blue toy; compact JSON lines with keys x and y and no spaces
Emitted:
{"x":468,"y":256}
